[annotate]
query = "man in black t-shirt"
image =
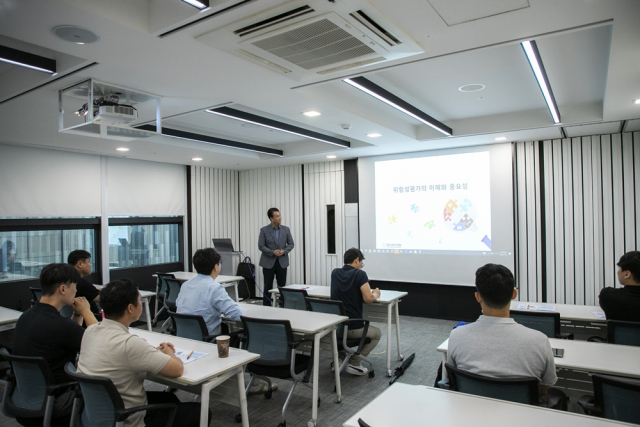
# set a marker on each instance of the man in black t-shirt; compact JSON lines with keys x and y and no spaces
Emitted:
{"x":81,"y":261}
{"x":624,"y":303}
{"x":350,"y":285}
{"x":42,"y":332}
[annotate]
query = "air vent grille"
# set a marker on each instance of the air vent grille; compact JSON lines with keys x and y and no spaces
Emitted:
{"x":377,"y":29}
{"x":121,"y":109}
{"x":317,"y":44}
{"x":274,"y":20}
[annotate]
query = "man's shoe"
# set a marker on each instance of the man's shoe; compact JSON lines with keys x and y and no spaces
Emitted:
{"x":261,"y":388}
{"x":356,"y":370}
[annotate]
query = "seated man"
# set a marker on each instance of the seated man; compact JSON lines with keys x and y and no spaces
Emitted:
{"x":42,"y":332}
{"x":624,"y":303}
{"x":109,"y":350}
{"x":205,"y":297}
{"x":81,"y":261}
{"x":495,"y":345}
{"x":350,"y":285}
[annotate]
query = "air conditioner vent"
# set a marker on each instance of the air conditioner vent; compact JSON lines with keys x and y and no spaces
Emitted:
{"x":315,"y":45}
{"x":377,"y":29}
{"x":275,"y":20}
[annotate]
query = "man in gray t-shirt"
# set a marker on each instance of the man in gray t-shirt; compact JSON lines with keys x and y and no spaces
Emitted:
{"x":495,"y":345}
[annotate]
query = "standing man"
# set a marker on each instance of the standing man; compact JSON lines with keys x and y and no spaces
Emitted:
{"x":81,"y":261}
{"x":624,"y":303}
{"x":275,"y":243}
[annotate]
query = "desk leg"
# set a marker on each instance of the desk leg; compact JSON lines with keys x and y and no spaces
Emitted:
{"x":235,"y":286}
{"x":157,"y":289}
{"x":445,"y":374}
{"x":242,"y":399}
{"x":274,"y":299}
{"x":204,"y":403}
{"x":334,"y":340}
{"x":389,"y":314}
{"x":146,"y":310}
{"x":397,"y":310}
{"x":316,"y":370}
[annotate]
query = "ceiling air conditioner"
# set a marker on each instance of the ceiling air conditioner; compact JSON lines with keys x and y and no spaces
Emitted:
{"x":309,"y":39}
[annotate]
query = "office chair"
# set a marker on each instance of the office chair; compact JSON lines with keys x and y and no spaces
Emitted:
{"x":293,"y":298}
{"x":613,"y":398}
{"x":30,"y":393}
{"x":514,"y":389}
{"x":273,"y":340}
{"x":37,"y":294}
{"x":344,"y":344}
{"x":100,"y":404}
{"x":546,"y":322}
{"x":191,"y":326}
{"x":169,"y":301}
{"x":161,"y":289}
{"x":623,"y":333}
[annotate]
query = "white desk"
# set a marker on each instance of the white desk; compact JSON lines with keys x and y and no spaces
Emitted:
{"x":599,"y":358}
{"x":145,"y":298}
{"x":206,"y":373}
{"x":308,"y":323}
{"x":8,"y":318}
{"x":230,"y":283}
{"x":416,"y":405}
{"x":384,"y":310}
{"x":576,"y":319}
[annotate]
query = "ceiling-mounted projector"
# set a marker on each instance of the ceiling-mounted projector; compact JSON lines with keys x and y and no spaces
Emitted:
{"x":115,"y":115}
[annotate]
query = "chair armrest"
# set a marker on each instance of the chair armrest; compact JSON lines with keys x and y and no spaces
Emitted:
{"x":565,"y":336}
{"x":295,"y":344}
{"x":596,"y":339}
{"x":588,"y":403}
{"x":59,"y":388}
{"x":123,"y":414}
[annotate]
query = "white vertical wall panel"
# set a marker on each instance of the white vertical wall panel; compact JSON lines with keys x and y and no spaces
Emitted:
{"x":323,"y":185}
{"x":607,"y":212}
{"x":569,"y":289}
{"x":628,"y":193}
{"x":558,"y":196}
{"x":578,"y":223}
{"x":214,"y":206}
{"x":618,"y":199}
{"x":261,"y":189}
{"x":522,"y":255}
{"x":589,"y":259}
{"x":636,"y":169}
{"x":549,"y":206}
{"x":598,"y":240}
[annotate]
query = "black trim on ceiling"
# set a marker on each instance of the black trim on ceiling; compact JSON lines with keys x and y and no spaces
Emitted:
{"x":25,"y":224}
{"x":274,"y":124}
{"x":28,"y":60}
{"x":175,"y":133}
{"x":49,"y":82}
{"x":146,"y":220}
{"x":204,"y":18}
{"x":383,"y":93}
{"x":266,"y":23}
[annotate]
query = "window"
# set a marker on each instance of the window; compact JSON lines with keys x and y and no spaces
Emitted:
{"x":136,"y":242}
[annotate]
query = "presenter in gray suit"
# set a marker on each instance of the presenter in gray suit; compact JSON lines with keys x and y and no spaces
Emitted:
{"x":275,"y":243}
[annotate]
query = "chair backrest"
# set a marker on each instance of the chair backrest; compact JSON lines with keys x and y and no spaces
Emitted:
{"x":66,"y":311}
{"x":544,"y":321}
{"x":26,"y":395}
{"x":269,"y":338}
{"x":519,"y":390}
{"x":624,"y":333}
{"x":101,"y":399}
{"x":172,"y":291}
{"x":294,"y":298}
{"x":37,"y":294}
{"x":162,"y":289}
{"x":617,"y":398}
{"x":190,"y":326}
{"x":322,"y":305}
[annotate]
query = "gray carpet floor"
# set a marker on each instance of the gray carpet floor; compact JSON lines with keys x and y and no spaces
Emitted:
{"x":418,"y":335}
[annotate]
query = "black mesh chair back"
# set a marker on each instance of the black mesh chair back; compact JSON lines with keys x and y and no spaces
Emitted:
{"x":102,"y":405}
{"x":328,"y":306}
{"x":66,"y":311}
{"x":270,"y":338}
{"x":162,"y":283}
{"x":546,"y":322}
{"x":623,"y":333}
{"x":37,"y":294}
{"x":617,"y":398}
{"x":519,"y":390}
{"x":190,"y":326}
{"x":171,"y":294}
{"x":293,"y":298}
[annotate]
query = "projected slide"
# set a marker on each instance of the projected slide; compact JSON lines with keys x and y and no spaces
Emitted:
{"x":439,"y":203}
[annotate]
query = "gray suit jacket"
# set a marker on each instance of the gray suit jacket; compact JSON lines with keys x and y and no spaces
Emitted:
{"x":267,"y":244}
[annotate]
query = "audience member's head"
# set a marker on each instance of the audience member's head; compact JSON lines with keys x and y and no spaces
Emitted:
{"x":272,"y":211}
{"x":81,"y":260}
{"x":55,"y":275}
{"x":495,"y":284}
{"x":351,"y":255}
{"x":629,"y":262}
{"x":205,"y":260}
{"x":116,"y":297}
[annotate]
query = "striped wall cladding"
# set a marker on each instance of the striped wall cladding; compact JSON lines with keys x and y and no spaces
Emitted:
{"x":576,"y":214}
{"x":323,"y":185}
{"x":261,"y":189}
{"x":215,"y":207}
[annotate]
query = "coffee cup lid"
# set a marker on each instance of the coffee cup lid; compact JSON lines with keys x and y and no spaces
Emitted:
{"x":223,"y":337}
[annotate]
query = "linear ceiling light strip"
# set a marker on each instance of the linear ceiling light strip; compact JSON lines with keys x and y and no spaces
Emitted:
{"x":399,"y":104}
{"x":204,"y":18}
{"x":533,"y":55}
{"x":190,"y":136}
{"x":198,"y":4}
{"x":276,"y":125}
{"x":27,"y":60}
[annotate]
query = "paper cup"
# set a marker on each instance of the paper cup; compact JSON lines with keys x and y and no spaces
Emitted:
{"x":223,"y":345}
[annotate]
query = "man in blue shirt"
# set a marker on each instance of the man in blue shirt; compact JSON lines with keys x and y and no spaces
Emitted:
{"x":205,"y":297}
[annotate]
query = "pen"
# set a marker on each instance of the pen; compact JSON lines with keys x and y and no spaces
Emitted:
{"x":306,"y":287}
{"x":190,"y":355}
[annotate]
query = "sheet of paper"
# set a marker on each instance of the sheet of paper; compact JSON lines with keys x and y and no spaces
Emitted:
{"x":600,"y":315}
{"x":305,"y":287}
{"x":536,"y":307}
{"x":188,"y":356}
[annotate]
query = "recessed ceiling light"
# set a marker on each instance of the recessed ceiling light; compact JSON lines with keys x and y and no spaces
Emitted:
{"x":637,"y":101}
{"x":122,"y":149}
{"x":331,"y":156}
{"x":197,"y":159}
{"x":79,"y":43}
{"x":73,"y":34}
{"x":500,"y":138}
{"x":311,"y":113}
{"x":373,"y":135}
{"x":471,"y":88}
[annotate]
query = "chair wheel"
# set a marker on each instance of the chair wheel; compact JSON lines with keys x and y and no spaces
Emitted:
{"x":154,"y":324}
{"x":372,"y":374}
{"x":239,"y":418}
{"x":268,"y":394}
{"x":284,"y":424}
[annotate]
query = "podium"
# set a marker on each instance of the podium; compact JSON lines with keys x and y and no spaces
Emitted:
{"x":230,"y":261}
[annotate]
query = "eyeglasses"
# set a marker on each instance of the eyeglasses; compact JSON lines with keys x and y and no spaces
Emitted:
{"x":361,"y":263}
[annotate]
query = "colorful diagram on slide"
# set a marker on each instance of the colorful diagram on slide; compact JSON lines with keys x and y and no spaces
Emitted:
{"x":460,"y":216}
